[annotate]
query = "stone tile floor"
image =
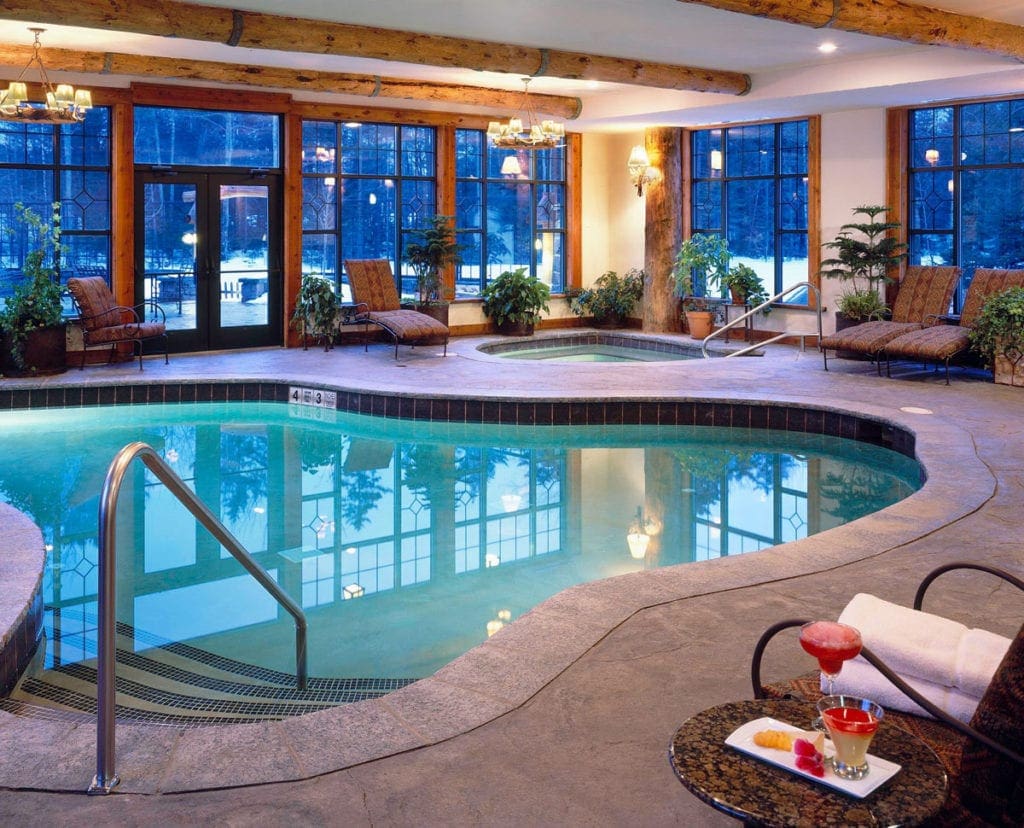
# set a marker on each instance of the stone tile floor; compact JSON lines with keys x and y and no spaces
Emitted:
{"x":565,"y":717}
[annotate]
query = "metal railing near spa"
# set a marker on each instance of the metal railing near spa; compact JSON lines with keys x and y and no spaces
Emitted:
{"x":724,"y":330}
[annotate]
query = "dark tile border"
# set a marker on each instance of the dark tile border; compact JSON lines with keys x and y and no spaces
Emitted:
{"x":746,"y":414}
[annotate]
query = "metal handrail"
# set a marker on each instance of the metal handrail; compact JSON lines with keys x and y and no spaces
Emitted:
{"x":105,"y":778}
{"x":728,"y":326}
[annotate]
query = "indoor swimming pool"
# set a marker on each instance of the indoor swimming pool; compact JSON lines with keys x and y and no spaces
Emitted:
{"x":406,"y":542}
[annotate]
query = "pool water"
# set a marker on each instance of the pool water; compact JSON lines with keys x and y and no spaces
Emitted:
{"x":406,"y":542}
{"x":596,"y":353}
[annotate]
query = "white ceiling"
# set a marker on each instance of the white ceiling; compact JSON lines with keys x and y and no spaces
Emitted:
{"x":790,"y":77}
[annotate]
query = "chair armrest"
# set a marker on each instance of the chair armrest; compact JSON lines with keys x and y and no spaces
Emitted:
{"x":353,"y":312}
{"x":955,"y":565}
{"x":150,"y":306}
{"x":762,"y":642}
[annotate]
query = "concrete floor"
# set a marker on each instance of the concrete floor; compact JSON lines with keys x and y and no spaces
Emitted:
{"x":573,"y":705}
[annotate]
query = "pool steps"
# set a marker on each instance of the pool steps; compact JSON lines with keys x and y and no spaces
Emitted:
{"x":174,"y":683}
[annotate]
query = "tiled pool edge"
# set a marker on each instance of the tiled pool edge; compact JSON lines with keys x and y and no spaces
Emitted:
{"x":812,"y":419}
{"x":22,"y":557}
{"x":524,"y":657}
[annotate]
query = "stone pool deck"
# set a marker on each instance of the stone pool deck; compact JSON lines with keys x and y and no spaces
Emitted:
{"x":565,"y":716}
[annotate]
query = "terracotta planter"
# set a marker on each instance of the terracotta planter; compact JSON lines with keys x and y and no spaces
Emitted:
{"x":509,"y":328}
{"x":1007,"y":372}
{"x":44,"y":352}
{"x":699,"y":323}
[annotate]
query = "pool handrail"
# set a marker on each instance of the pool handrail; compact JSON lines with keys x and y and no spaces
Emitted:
{"x":106,"y":778}
{"x":728,"y":326}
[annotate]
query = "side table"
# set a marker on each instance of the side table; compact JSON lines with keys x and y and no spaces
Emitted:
{"x":761,"y":794}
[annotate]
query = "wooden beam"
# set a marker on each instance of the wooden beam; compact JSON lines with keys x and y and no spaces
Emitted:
{"x":257,"y":30}
{"x":370,"y":86}
{"x":892,"y":19}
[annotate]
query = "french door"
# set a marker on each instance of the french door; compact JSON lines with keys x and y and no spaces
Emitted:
{"x":208,"y":250}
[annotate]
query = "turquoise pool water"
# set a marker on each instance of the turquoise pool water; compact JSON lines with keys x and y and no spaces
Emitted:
{"x":595,"y":353}
{"x":405,"y":541}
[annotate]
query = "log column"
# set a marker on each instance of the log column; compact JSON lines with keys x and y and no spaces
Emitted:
{"x":663,"y":231}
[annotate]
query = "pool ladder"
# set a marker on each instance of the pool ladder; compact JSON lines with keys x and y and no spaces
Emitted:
{"x":750,"y":313}
{"x":106,"y":779}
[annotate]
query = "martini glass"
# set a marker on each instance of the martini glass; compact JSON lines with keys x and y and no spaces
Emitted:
{"x":831,"y":643}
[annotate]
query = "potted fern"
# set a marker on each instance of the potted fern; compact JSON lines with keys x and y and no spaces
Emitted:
{"x":514,"y":301}
{"x":32,"y":320}
{"x":998,"y":335}
{"x":702,"y":262}
{"x":865,"y":251}
{"x":430,"y":251}
{"x":611,"y":298}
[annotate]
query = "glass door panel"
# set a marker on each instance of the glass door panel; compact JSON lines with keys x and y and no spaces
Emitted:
{"x":167,"y":264}
{"x":244,"y":255}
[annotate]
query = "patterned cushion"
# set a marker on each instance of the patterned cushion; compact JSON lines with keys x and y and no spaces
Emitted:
{"x":939,"y":343}
{"x":409,"y":325}
{"x":985,"y":283}
{"x":125,"y":333}
{"x":96,"y":302}
{"x":372,"y":283}
{"x":990,"y":785}
{"x":868,"y":337}
{"x":924,"y":291}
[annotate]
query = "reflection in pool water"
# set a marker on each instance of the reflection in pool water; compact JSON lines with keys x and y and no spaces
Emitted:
{"x":406,"y":542}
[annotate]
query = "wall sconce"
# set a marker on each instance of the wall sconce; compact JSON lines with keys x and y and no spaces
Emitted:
{"x":716,"y":162}
{"x":931,"y":156}
{"x":638,"y":536}
{"x":640,"y":170}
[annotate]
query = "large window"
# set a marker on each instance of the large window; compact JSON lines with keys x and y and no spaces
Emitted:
{"x":509,"y":212}
{"x":967,"y":186}
{"x":42,"y":165}
{"x":364,"y":187}
{"x":749,"y":184}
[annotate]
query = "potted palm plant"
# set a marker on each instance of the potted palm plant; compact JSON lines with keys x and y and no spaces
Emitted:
{"x":431,"y":250}
{"x":865,"y":251}
{"x":514,"y":301}
{"x":611,"y":298}
{"x":32,"y":320}
{"x":998,"y":335}
{"x":702,"y":262}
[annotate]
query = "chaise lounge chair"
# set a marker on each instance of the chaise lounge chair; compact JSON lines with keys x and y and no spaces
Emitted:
{"x":373,"y":288}
{"x":104,"y":322}
{"x":924,"y":292}
{"x":983,"y":759}
{"x":941,"y":343}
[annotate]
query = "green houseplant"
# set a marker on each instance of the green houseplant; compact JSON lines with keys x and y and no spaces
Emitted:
{"x":316,"y":311}
{"x":702,"y":262}
{"x":865,"y":251}
{"x":32,"y":320}
{"x":610,"y":298}
{"x":998,"y":335}
{"x":514,"y":301}
{"x":745,"y":285}
{"x":430,"y":250}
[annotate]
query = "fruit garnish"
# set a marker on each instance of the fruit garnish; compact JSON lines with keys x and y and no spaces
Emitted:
{"x":808,"y":757}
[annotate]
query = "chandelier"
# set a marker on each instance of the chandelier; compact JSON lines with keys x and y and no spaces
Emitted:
{"x":64,"y":104}
{"x":532,"y":136}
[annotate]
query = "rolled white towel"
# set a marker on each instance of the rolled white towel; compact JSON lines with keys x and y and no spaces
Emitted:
{"x":977,"y":658}
{"x":910,"y":642}
{"x":858,"y":678}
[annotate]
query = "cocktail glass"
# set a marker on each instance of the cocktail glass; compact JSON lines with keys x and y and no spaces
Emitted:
{"x":852,"y":723}
{"x":831,"y":643}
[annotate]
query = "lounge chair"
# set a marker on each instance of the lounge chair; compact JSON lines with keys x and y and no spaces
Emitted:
{"x":941,"y":343}
{"x":104,"y":322}
{"x":373,"y":289}
{"x":924,"y":292}
{"x":983,"y":760}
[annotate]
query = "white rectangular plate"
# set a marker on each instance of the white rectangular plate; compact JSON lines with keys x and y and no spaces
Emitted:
{"x":742,"y":739}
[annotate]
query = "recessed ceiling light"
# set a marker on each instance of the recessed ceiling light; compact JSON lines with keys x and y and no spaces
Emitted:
{"x":827,"y":48}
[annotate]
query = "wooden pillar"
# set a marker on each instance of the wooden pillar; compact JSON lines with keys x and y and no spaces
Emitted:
{"x":663,"y":231}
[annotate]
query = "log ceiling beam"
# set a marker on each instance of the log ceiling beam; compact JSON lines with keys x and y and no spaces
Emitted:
{"x":257,"y":30}
{"x":891,"y":19}
{"x":371,"y":86}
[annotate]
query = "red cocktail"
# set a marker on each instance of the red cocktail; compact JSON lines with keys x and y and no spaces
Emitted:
{"x":831,"y":643}
{"x":852,"y":723}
